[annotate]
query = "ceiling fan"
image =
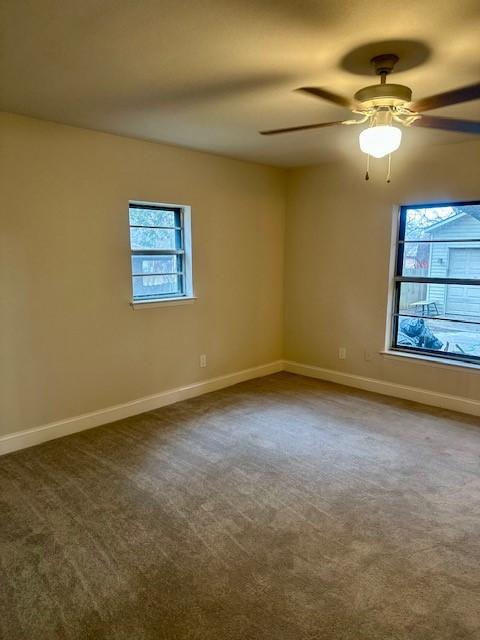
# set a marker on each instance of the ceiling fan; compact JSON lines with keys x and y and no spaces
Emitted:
{"x":384,"y":105}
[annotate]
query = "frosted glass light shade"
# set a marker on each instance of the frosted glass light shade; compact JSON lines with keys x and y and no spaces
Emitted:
{"x":380,"y":141}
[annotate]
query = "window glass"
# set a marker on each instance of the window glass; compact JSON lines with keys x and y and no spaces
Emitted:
{"x":160,"y":252}
{"x":437,"y":281}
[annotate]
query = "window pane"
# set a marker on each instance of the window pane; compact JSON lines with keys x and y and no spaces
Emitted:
{"x":439,"y":335}
{"x":156,"y":286}
{"x":441,"y":259}
{"x":448,"y":300}
{"x":443,"y":223}
{"x":156,"y":264}
{"x":153,"y":217}
{"x":154,"y":239}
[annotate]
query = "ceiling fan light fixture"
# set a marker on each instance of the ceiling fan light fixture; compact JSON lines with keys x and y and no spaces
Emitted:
{"x":380,"y":141}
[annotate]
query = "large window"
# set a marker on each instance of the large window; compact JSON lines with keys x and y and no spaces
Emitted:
{"x":436,"y":302}
{"x":160,"y":252}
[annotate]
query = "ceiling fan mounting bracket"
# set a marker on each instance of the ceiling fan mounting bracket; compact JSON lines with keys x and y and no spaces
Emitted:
{"x":384,"y":63}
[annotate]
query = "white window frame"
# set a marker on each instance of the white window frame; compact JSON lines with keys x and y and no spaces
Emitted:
{"x":187,"y":297}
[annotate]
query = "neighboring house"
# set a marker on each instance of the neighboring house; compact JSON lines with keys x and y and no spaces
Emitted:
{"x":455,"y":260}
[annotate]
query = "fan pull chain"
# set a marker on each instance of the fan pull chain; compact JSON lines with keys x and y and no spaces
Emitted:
{"x":389,"y":172}
{"x":367,"y":177}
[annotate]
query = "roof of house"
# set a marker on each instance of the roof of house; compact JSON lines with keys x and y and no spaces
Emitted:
{"x":436,"y":225}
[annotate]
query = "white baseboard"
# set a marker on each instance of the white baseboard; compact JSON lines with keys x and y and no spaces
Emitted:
{"x":433,"y":398}
{"x":37,"y":435}
{"x":29,"y":437}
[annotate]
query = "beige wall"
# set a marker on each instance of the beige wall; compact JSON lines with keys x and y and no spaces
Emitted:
{"x":70,"y":343}
{"x":338,"y":241}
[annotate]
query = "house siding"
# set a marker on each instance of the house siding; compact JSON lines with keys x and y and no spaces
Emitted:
{"x":439,"y":257}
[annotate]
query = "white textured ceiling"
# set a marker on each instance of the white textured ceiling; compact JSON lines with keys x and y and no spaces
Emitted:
{"x":208,"y":74}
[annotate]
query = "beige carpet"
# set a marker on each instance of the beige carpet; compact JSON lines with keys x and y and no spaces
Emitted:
{"x":280,"y":509}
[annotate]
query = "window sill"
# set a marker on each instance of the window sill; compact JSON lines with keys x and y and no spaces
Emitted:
{"x":168,"y":302}
{"x":430,"y":360}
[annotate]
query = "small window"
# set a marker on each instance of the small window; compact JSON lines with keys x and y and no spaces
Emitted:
{"x":160,"y":252}
{"x":436,"y":303}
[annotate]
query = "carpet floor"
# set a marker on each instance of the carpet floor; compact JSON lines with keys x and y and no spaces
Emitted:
{"x":283,"y":508}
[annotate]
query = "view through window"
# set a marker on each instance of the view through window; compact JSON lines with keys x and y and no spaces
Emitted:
{"x":437,"y":281}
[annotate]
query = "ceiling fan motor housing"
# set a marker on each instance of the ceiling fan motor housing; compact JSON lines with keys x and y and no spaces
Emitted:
{"x":384,"y":95}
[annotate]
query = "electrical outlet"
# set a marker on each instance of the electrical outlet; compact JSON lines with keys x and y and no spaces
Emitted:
{"x":342,"y":353}
{"x":367,"y":355}
{"x":203,"y":360}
